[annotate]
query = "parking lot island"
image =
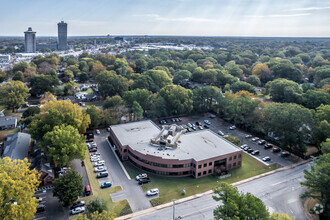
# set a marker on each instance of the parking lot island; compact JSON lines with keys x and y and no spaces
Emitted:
{"x":170,"y":151}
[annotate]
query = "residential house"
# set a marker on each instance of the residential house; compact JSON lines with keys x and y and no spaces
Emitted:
{"x":17,"y":146}
{"x":8,"y":123}
{"x":39,"y":162}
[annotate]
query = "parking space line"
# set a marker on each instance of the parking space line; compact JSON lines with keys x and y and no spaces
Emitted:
{"x":39,"y":218}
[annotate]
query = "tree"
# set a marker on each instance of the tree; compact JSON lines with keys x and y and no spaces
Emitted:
{"x":233,"y":69}
{"x":113,"y":101}
{"x":31,"y":111}
{"x":253,"y":80}
{"x":317,"y":180}
{"x":94,"y":114}
{"x":285,"y":69}
{"x":13,"y":94}
{"x":97,"y":216}
{"x":47,"y":98}
{"x":313,"y":98}
{"x":3,"y":75}
{"x":140,"y":65}
{"x":206,"y":98}
{"x":137,"y":110}
{"x":178,"y":99}
{"x":236,"y":205}
{"x":62,"y":145}
{"x":262,"y":71}
{"x":97,"y":68}
{"x":239,"y":86}
{"x":18,"y":185}
{"x":325,"y":146}
{"x":181,"y":75}
{"x":142,"y":96}
{"x":83,"y":77}
{"x":19,"y":76}
{"x":68,"y":187}
{"x":21,"y":66}
{"x":322,"y":129}
{"x":291,"y":123}
{"x":111,"y":84}
{"x":283,"y":90}
{"x":96,"y":205}
{"x":159,"y":79}
{"x":42,"y":83}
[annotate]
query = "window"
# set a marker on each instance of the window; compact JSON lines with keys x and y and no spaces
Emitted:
{"x":239,"y":163}
{"x":230,"y":158}
{"x":205,"y":164}
{"x":194,"y":165}
{"x":210,"y":171}
{"x":204,"y":172}
{"x":193,"y":173}
{"x":210,"y":164}
{"x":235,"y":157}
{"x":239,"y":156}
{"x":199,"y":174}
{"x":234,"y":164}
{"x":199,"y":166}
{"x":125,"y":150}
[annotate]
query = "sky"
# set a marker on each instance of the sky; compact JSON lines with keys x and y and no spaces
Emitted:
{"x":263,"y":18}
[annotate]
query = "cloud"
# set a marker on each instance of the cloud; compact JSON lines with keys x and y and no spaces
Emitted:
{"x":182,"y":19}
{"x":279,"y":15}
{"x":310,"y":9}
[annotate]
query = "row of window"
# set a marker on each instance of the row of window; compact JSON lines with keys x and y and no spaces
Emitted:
{"x":234,"y":164}
{"x":160,"y":164}
{"x":230,"y":158}
{"x":204,"y":172}
{"x":160,"y":172}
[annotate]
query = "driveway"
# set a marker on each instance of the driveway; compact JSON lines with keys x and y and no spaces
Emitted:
{"x":219,"y":124}
{"x":131,"y":190}
{"x":76,"y":165}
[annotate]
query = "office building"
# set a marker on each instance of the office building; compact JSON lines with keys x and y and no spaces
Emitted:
{"x":30,"y":41}
{"x":62,"y":35}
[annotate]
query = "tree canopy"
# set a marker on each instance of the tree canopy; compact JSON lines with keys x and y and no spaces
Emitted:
{"x":13,"y":94}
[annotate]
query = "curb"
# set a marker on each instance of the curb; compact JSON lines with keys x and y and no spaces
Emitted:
{"x":120,"y":163}
{"x":196,"y":196}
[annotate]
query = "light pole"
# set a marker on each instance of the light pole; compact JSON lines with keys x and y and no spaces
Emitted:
{"x":173,"y":209}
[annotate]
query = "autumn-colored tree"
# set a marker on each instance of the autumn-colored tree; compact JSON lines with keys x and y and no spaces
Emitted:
{"x":48,"y":96}
{"x":13,"y":94}
{"x":262,"y":71}
{"x":17,"y":186}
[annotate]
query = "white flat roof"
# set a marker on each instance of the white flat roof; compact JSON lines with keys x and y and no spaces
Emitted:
{"x":197,"y":145}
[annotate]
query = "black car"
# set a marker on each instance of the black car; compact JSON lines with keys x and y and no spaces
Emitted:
{"x":198,"y":124}
{"x":102,"y":174}
{"x":144,"y":180}
{"x":276,"y":150}
{"x":261,"y":142}
{"x":268,"y":146}
{"x":206,"y":126}
{"x":250,"y":150}
{"x":77,"y":204}
{"x":285,"y":154}
{"x":41,"y":208}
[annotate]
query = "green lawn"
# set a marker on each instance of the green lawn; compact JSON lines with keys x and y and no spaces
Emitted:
{"x":4,"y":133}
{"x":115,"y":208}
{"x":171,"y":188}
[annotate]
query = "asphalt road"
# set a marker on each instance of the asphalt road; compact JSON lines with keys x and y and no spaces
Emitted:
{"x":131,"y":190}
{"x":280,"y":192}
{"x":219,"y":124}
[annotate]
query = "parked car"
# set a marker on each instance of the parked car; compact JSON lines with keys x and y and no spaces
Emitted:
{"x":285,"y":154}
{"x":152,"y":192}
{"x":266,"y":159}
{"x":243,"y":146}
{"x":232,"y":127}
{"x":98,"y":132}
{"x":41,"y":208}
{"x":77,"y":210}
{"x":99,"y":163}
{"x":95,"y":159}
{"x":198,"y":123}
{"x":95,"y":154}
{"x":106,"y":185}
{"x":94,"y":149}
{"x":141,"y":176}
{"x":255,"y":139}
{"x":100,"y":169}
{"x":200,"y":127}
{"x":221,"y":133}
{"x":246,"y":148}
{"x":39,"y":199}
{"x":248,"y":136}
{"x":256,"y":152}
{"x":102,"y":174}
{"x":184,"y":126}
{"x":144,"y":180}
{"x":268,"y":146}
{"x":261,"y":142}
{"x":194,"y":128}
{"x":276,"y":150}
{"x":87,"y":190}
{"x":207,"y":122}
{"x":78,"y":204}
{"x":108,"y":129}
{"x":189,"y":125}
{"x":250,"y":150}
{"x":206,"y":126}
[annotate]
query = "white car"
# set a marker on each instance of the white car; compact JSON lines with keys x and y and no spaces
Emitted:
{"x":100,"y":169}
{"x":152,"y":192}
{"x":207,"y":122}
{"x":221,"y":133}
{"x":99,"y":163}
{"x":232,"y":127}
{"x":95,"y":159}
{"x":98,"y":132}
{"x":77,"y":210}
{"x":266,"y":159}
{"x":95,"y":154}
{"x":141,"y":176}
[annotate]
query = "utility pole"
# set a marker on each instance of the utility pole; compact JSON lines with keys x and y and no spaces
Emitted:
{"x":173,"y":209}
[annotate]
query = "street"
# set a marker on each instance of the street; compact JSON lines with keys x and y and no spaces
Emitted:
{"x":280,"y":192}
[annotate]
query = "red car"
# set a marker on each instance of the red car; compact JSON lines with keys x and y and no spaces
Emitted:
{"x":94,"y":149}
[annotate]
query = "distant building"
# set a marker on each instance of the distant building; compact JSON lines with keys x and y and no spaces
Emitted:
{"x":62,"y":35}
{"x":30,"y":41}
{"x":7,"y":123}
{"x":46,"y":46}
{"x":17,"y":146}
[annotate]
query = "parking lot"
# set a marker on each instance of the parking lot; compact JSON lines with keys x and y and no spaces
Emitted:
{"x":217,"y":124}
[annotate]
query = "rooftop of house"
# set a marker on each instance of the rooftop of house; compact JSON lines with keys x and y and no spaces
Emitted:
{"x":7,"y":121}
{"x":17,"y":146}
{"x":198,"y":145}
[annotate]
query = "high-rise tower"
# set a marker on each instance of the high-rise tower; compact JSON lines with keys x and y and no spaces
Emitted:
{"x":30,"y":41}
{"x":62,"y":35}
